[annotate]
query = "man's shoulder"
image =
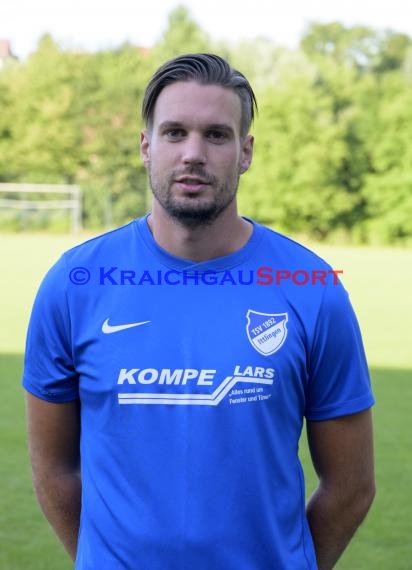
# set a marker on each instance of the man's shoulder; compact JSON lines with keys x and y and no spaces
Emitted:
{"x":110,"y":241}
{"x":292,"y":250}
{"x":77,"y":264}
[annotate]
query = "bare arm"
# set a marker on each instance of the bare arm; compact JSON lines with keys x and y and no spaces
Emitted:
{"x":342,"y":454}
{"x":54,"y":431}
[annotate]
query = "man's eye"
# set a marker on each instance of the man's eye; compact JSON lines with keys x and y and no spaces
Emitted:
{"x":175,"y":133}
{"x":216,"y":136}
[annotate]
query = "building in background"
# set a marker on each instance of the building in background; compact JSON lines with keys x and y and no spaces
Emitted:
{"x":6,"y":55}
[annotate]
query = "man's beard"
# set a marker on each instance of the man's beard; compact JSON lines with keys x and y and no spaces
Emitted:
{"x":194,"y":211}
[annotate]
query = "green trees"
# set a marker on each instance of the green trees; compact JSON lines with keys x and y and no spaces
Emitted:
{"x":308,"y":147}
{"x":387,"y":187}
{"x":333,"y":139}
{"x":182,"y":35}
{"x":333,"y":151}
{"x":42,"y":139}
{"x":107,"y":117}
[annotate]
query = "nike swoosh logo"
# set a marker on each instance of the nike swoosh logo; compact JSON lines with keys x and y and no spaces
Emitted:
{"x":108,"y":329}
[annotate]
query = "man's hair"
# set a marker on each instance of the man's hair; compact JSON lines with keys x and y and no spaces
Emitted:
{"x":205,"y":69}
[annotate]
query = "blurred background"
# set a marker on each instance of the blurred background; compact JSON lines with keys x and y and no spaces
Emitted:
{"x":332,"y":168}
{"x":333,"y":136}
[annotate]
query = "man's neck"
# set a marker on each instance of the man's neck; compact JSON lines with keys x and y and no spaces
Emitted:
{"x":225,"y":235}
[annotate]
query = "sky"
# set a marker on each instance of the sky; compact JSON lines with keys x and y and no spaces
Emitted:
{"x":97,"y":24}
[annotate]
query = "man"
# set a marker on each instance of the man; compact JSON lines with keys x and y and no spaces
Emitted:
{"x":179,"y":375}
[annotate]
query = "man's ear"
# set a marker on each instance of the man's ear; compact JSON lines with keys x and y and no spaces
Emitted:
{"x":145,"y":147}
{"x":247,"y":154}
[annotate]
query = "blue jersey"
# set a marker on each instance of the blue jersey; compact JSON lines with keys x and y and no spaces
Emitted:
{"x":194,"y":381}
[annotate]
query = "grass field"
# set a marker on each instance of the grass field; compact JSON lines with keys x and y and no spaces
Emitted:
{"x":380,"y":282}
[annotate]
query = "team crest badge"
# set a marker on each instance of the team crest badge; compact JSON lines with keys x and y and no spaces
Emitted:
{"x":266,"y":332}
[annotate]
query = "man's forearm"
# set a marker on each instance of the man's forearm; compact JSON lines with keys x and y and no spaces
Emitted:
{"x":333,"y":521}
{"x":60,"y":499}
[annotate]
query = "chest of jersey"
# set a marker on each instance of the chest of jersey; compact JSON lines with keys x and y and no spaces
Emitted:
{"x":231,"y":349}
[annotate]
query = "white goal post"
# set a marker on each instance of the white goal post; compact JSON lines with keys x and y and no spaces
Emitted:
{"x":71,"y":202}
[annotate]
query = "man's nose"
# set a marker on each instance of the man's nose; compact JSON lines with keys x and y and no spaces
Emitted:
{"x":194,"y":150}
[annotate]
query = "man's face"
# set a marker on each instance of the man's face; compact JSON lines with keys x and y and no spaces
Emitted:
{"x":194,"y":151}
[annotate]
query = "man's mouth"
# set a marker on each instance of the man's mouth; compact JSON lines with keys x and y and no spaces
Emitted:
{"x":190,"y":183}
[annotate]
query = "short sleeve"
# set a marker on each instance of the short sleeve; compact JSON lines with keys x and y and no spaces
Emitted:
{"x":49,"y":371}
{"x":339,"y":382}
